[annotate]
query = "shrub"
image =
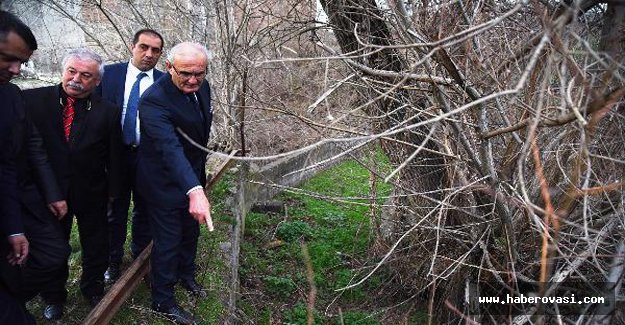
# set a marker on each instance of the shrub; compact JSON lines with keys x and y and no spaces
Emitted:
{"x":294,"y":230}
{"x":280,"y":286}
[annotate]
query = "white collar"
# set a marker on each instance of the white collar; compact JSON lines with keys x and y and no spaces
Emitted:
{"x":134,"y":71}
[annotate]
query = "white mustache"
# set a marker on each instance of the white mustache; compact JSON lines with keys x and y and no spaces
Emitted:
{"x":74,"y":85}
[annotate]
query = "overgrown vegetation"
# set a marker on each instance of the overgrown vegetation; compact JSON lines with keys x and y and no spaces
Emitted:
{"x":329,"y":215}
{"x":503,"y":121}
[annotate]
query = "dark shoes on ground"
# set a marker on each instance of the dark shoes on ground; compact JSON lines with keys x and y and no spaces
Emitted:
{"x":194,"y":288}
{"x":112,"y":273}
{"x":53,"y":312}
{"x":178,"y":315}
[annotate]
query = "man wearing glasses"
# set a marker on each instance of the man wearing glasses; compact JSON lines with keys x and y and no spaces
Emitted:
{"x":171,"y":173}
{"x":81,"y":134}
{"x":123,"y":84}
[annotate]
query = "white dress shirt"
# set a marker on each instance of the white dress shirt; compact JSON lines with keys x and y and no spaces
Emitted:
{"x":131,"y":77}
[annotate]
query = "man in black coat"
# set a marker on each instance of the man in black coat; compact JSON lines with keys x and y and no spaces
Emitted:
{"x":82,"y":138}
{"x":42,"y":206}
{"x":17,"y":44}
{"x":171,"y":173}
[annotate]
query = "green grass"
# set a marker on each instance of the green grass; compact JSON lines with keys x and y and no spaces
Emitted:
{"x":328,"y":218}
{"x":334,"y":224}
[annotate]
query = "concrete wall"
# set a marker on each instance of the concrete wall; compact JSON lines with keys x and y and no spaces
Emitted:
{"x":289,"y":171}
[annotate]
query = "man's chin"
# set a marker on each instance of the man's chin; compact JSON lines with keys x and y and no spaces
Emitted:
{"x":145,"y":66}
{"x":190,"y":90}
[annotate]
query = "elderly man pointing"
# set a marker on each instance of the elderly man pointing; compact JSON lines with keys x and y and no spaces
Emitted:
{"x":171,"y":173}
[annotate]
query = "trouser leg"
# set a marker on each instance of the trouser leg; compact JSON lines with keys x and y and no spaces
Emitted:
{"x":165,"y":255}
{"x":118,"y":226}
{"x":141,"y":228}
{"x":188,"y":247}
{"x":48,"y":252}
{"x":92,"y":228}
{"x":54,"y":292}
{"x":13,"y":312}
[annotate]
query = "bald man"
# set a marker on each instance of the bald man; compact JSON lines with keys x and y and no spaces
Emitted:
{"x":171,"y":173}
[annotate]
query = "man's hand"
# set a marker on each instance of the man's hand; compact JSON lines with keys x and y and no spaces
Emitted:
{"x":19,"y":249}
{"x":200,"y":209}
{"x":58,"y":209}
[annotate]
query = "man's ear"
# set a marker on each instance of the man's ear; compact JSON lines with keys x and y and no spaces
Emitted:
{"x":130,"y":47}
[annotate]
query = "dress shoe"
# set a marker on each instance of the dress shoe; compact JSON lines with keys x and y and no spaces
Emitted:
{"x":177,"y":314}
{"x":194,"y":288}
{"x":53,"y":312}
{"x":112,"y":273}
{"x":94,"y":300}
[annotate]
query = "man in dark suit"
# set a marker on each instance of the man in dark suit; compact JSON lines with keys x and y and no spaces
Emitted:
{"x":42,"y":206}
{"x":17,"y":44}
{"x":117,"y":87}
{"x":81,"y":134}
{"x":171,"y":173}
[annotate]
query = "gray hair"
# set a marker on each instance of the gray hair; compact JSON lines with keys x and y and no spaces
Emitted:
{"x":84,"y":54}
{"x":184,"y":47}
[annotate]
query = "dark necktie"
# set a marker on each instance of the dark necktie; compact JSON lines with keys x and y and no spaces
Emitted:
{"x":196,"y":105}
{"x":68,"y":116}
{"x":129,"y":132}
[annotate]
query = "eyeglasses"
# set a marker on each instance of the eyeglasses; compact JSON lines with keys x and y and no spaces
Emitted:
{"x":186,"y":75}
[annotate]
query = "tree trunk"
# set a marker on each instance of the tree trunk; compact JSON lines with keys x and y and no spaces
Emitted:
{"x":613,"y":32}
{"x":415,"y":204}
{"x":425,"y":174}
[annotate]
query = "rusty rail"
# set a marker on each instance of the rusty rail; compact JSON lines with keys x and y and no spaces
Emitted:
{"x":126,"y":284}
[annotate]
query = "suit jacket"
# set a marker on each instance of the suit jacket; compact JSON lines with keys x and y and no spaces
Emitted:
{"x":169,"y":165}
{"x":35,"y":178}
{"x":11,"y":112}
{"x":37,"y":182}
{"x":113,"y":81}
{"x":88,"y":168}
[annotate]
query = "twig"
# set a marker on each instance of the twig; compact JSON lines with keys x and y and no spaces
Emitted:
{"x":310,"y":277}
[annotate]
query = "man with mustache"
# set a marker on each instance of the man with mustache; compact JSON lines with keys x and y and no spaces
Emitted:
{"x":122,"y":85}
{"x":81,"y":134}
